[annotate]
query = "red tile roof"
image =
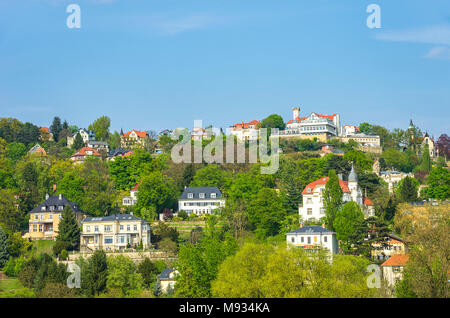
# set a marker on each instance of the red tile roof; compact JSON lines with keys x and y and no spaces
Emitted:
{"x":367,"y":201}
{"x":238,"y":126}
{"x":82,"y":152}
{"x":44,"y":128}
{"x":323,"y":181}
{"x":135,"y":188}
{"x":397,"y":260}
{"x":329,"y":117}
{"x":141,"y":134}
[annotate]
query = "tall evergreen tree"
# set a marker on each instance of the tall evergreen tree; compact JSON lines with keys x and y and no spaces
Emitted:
{"x":56,"y":128}
{"x":407,"y":189}
{"x":4,"y":247}
{"x":78,"y":142}
{"x":332,"y":199}
{"x":95,"y":274}
{"x":425,"y":162}
{"x":68,"y":230}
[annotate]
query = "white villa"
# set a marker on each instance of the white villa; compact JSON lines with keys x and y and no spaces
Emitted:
{"x":114,"y":232}
{"x":132,"y":198}
{"x":312,"y":238}
{"x":313,"y":208}
{"x":200,"y":200}
{"x":246,"y":131}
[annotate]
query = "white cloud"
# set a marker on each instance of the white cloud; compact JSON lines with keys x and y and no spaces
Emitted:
{"x":439,"y":52}
{"x":439,"y":34}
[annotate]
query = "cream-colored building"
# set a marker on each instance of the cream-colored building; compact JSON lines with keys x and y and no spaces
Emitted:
{"x":393,"y":268}
{"x":114,"y":232}
{"x":167,"y":280}
{"x":45,"y":218}
{"x":314,"y":126}
{"x":133,"y":138}
{"x":246,"y":131}
{"x":392,"y":178}
{"x":384,"y":250}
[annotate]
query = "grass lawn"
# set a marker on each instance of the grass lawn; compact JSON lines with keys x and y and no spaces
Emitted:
{"x":42,"y":246}
{"x":185,"y":227}
{"x":9,"y":285}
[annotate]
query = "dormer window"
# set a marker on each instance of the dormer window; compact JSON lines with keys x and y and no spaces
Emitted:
{"x":190,"y":195}
{"x":52,"y":207}
{"x":43,"y":208}
{"x":60,"y":208}
{"x":213,"y":195}
{"x":201,"y":195}
{"x":308,"y":190}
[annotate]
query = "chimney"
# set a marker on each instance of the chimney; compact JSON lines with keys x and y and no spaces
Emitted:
{"x":54,"y":188}
{"x":60,"y":196}
{"x":46,"y":196}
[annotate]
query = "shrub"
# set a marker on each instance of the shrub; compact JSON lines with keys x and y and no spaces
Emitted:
{"x":64,"y":255}
{"x":59,"y":247}
{"x":183,"y":214}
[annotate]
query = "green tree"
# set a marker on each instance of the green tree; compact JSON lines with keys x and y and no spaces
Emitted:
{"x":4,"y":248}
{"x":211,"y":176}
{"x":266,"y":213}
{"x":78,"y":142}
{"x":148,"y":271}
{"x":101,"y":128}
{"x":55,"y":128}
{"x":68,"y":230}
{"x":407,"y":189}
{"x":94,"y":274}
{"x":198,"y":265}
{"x":365,"y":128}
{"x":439,"y":184}
{"x":10,"y":216}
{"x":332,"y":199}
{"x":16,"y":150}
{"x":345,"y":222}
{"x":425,"y":162}
{"x":122,"y":275}
{"x":156,"y":190}
{"x":273,"y":121}
{"x":359,"y":158}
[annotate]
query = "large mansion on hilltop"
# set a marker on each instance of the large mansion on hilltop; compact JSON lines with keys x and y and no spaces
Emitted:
{"x":313,"y":207}
{"x":322,"y":127}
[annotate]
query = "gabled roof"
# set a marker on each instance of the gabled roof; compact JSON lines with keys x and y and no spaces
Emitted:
{"x":165,"y":274}
{"x":117,"y":152}
{"x":238,"y":126}
{"x":311,"y":230}
{"x":397,"y":260}
{"x":197,"y":190}
{"x":57,"y":200}
{"x":135,"y":188}
{"x":323,"y":181}
{"x":140,"y":134}
{"x":83,"y":152}
{"x":114,"y":217}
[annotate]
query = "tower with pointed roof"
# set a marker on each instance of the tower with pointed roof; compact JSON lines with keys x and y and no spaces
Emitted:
{"x":295,"y":112}
{"x":353,"y":186}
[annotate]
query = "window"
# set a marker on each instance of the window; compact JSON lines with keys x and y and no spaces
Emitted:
{"x":60,"y":208}
{"x":50,"y":216}
{"x":88,"y":229}
{"x":309,"y":240}
{"x":121,"y":227}
{"x":43,"y":208}
{"x":107,"y":228}
{"x":128,"y":228}
{"x":40,"y":228}
{"x":96,"y":229}
{"x":396,"y":269}
{"x":201,"y":195}
{"x":325,"y":239}
{"x":309,"y":211}
{"x":302,"y":239}
{"x":309,"y":200}
{"x":190,"y":195}
{"x":34,"y":228}
{"x":135,"y":228}
{"x":108,"y":240}
{"x":42,"y":216}
{"x":213,"y":195}
{"x":293,"y":240}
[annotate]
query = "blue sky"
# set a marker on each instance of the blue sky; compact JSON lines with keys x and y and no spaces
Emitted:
{"x":162,"y":64}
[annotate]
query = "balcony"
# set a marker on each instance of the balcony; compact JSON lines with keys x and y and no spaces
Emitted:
{"x":48,"y":233}
{"x":34,"y":221}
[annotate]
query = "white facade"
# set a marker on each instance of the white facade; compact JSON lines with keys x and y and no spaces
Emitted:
{"x":86,"y":135}
{"x":313,"y":207}
{"x":246,"y":131}
{"x":200,"y":200}
{"x":313,"y":237}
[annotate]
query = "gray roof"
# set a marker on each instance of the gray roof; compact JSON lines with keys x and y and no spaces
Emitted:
{"x":197,"y":190}
{"x":114,"y":217}
{"x":352,"y":176}
{"x":311,"y":230}
{"x":118,"y":151}
{"x":165,"y":274}
{"x":55,"y":200}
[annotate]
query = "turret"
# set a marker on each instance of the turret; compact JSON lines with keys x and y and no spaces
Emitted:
{"x":295,"y":112}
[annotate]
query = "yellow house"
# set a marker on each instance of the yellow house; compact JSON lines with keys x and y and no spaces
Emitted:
{"x":114,"y":232}
{"x":45,"y":218}
{"x":384,"y":250}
